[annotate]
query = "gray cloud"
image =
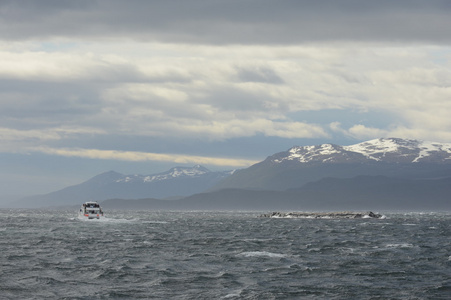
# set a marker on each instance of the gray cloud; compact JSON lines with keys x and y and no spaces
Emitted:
{"x":259,"y":74}
{"x":223,"y":22}
{"x":37,"y":104}
{"x":201,"y":81}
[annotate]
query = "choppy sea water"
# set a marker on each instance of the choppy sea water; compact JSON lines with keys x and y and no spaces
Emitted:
{"x":222,"y":255}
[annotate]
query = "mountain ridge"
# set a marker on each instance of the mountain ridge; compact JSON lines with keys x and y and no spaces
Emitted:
{"x":381,"y":150}
{"x":176,"y":182}
{"x":280,"y":175}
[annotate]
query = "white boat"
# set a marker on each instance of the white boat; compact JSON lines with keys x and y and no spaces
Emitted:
{"x":90,"y":210}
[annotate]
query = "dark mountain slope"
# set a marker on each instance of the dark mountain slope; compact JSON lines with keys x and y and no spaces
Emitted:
{"x":329,"y":194}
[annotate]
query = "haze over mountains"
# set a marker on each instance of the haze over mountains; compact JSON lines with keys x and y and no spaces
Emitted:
{"x":175,"y":183}
{"x":378,"y":174}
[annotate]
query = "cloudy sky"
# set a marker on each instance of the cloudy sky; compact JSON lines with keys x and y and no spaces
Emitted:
{"x":142,"y":86}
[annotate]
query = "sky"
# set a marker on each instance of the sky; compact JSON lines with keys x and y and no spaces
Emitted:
{"x":139,"y":87}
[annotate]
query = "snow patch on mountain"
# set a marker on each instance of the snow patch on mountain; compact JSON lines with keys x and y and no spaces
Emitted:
{"x":429,"y":147}
{"x":309,"y":153}
{"x":377,"y":149}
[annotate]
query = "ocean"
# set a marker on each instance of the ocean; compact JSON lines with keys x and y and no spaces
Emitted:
{"x":49,"y":254}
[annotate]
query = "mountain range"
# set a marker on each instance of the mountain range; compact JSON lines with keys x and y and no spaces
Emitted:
{"x":174,"y":183}
{"x":391,"y":157}
{"x":376,"y":174}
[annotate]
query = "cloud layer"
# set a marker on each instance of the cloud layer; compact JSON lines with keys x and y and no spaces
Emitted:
{"x":78,"y":78}
{"x":205,"y":92}
{"x":229,"y":22}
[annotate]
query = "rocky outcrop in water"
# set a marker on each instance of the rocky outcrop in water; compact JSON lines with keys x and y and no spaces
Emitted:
{"x":323,"y":215}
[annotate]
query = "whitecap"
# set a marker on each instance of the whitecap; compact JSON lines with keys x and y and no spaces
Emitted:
{"x":84,"y":219}
{"x":233,"y":294}
{"x":262,"y":253}
{"x":110,"y":220}
{"x":401,"y":245}
{"x":370,"y":217}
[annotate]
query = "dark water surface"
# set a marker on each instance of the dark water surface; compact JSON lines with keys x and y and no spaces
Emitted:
{"x":218,"y":255}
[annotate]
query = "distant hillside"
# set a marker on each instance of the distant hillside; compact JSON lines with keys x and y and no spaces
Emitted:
{"x":177,"y":182}
{"x":329,"y":194}
{"x":297,"y":166}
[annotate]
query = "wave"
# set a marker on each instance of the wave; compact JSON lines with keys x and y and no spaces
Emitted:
{"x":400,"y":245}
{"x":105,"y":220}
{"x":262,"y":253}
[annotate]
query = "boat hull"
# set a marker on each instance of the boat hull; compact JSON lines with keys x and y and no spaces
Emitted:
{"x":89,"y":216}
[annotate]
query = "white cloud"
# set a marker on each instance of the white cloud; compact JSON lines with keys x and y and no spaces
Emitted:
{"x":219,"y":93}
{"x":362,"y":132}
{"x":359,"y":131}
{"x":246,"y":128}
{"x":21,"y":141}
{"x":9,"y":134}
{"x":136,"y":156}
{"x":57,"y":66}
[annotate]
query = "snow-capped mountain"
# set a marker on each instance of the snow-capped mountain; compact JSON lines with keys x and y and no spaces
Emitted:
{"x":381,"y":150}
{"x":177,"y":182}
{"x":393,"y":157}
